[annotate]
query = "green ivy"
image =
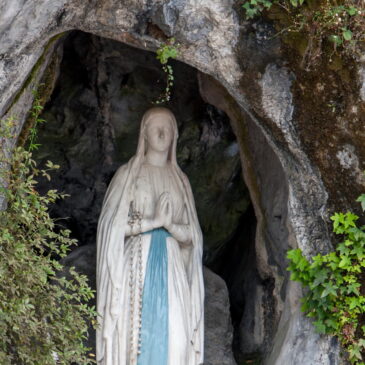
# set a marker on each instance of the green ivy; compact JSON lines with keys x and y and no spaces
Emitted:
{"x":254,"y":8}
{"x":335,"y":297}
{"x":340,"y":24}
{"x":44,"y":316}
{"x":163,"y":54}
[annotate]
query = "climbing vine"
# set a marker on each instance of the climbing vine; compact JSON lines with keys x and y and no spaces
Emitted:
{"x":44,"y":316}
{"x":335,"y":297}
{"x":35,"y":113}
{"x":329,"y":25}
{"x":163,"y":54}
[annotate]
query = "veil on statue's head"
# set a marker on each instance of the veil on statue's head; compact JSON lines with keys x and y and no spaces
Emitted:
{"x":150,"y":114}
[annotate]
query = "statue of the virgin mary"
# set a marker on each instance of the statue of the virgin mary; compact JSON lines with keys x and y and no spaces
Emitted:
{"x":150,"y":290}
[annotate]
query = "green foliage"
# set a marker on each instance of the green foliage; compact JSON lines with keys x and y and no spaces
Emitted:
{"x":335,"y":282}
{"x":323,"y":22}
{"x":164,"y":53}
{"x":361,"y":199}
{"x":35,"y":112}
{"x":256,"y":7}
{"x":44,"y":317}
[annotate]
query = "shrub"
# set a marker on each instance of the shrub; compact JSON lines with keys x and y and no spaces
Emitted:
{"x":335,"y":295}
{"x":44,"y":317}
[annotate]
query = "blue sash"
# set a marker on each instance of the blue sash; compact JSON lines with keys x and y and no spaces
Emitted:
{"x":155,"y":306}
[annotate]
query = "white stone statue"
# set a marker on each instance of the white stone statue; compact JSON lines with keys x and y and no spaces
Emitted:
{"x":150,"y":291}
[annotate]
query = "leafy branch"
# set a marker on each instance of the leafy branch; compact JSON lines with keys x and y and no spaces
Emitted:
{"x":44,"y":316}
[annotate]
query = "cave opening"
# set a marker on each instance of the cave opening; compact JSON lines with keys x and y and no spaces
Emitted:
{"x":93,"y":117}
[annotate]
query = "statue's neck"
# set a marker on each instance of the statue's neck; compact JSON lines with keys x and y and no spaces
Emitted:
{"x":156,"y":158}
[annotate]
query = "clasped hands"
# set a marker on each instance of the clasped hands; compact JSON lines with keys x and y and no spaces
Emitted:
{"x":163,"y":218}
{"x":163,"y":212}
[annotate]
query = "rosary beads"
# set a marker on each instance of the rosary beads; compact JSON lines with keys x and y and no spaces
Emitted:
{"x":135,"y":221}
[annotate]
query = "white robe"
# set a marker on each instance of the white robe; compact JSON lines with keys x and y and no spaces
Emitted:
{"x":151,"y":183}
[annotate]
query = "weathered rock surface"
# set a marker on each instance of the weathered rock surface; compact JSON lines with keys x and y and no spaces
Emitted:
{"x":300,"y":134}
{"x":218,"y":327}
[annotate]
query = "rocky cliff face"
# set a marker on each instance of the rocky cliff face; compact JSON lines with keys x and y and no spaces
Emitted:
{"x":299,"y":134}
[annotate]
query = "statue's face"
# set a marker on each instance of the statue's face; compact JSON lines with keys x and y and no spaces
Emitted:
{"x":159,"y":133}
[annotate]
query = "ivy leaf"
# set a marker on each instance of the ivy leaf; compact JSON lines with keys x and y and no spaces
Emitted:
{"x":303,"y":264}
{"x":332,"y":260}
{"x":321,"y":277}
{"x":317,"y":261}
{"x":335,"y":39}
{"x":349,"y":242}
{"x":296,"y":3}
{"x":338,"y":220}
{"x":320,"y":326}
{"x":347,"y":34}
{"x":354,"y":352}
{"x":361,"y":199}
{"x":330,"y":322}
{"x":251,"y":12}
{"x":343,"y":249}
{"x":354,"y":302}
{"x":351,"y":11}
{"x":294,"y":255}
{"x":350,"y":278}
{"x":345,"y":262}
{"x":359,"y":252}
{"x":267,"y":4}
{"x":329,"y":289}
{"x":350,"y":220}
{"x":353,"y":288}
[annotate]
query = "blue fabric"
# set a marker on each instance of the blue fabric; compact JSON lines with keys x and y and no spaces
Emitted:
{"x":155,"y":306}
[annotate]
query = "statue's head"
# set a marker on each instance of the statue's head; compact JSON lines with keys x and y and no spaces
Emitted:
{"x":159,"y":128}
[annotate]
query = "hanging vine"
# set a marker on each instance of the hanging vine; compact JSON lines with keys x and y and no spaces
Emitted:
{"x":164,"y":53}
